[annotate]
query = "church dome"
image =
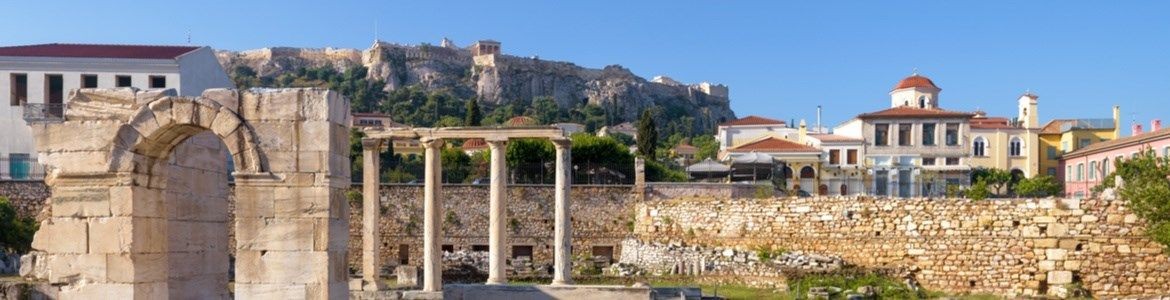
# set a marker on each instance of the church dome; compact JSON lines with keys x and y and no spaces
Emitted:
{"x":521,"y":121}
{"x":915,"y":81}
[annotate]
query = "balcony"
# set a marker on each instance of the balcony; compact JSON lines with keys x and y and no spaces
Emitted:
{"x":18,"y":167}
{"x":44,"y":112}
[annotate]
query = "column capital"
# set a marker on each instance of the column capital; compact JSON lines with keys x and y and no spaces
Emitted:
{"x":496,"y":141}
{"x":371,"y":143}
{"x":562,"y":143}
{"x":431,"y":142}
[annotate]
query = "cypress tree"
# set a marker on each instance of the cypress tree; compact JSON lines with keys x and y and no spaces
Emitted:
{"x":474,"y":116}
{"x":647,"y":136}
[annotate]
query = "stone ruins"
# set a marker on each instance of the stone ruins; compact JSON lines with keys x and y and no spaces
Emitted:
{"x":140,"y":204}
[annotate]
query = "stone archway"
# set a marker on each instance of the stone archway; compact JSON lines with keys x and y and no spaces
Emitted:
{"x":159,"y":228}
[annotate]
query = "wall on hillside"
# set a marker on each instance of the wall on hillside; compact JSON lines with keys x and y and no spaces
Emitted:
{"x":1006,"y":247}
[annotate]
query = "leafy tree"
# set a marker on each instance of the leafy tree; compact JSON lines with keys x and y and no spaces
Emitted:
{"x":530,"y":160}
{"x":545,"y":110}
{"x":594,"y":155}
{"x":1039,"y":186}
{"x":707,"y":146}
{"x":996,"y":179}
{"x":658,"y":172}
{"x":979,"y":190}
{"x":647,"y":136}
{"x":1147,"y":189}
{"x":16,"y":233}
{"x":474,"y":116}
{"x":387,"y":159}
{"x":456,"y":164}
{"x":623,"y":138}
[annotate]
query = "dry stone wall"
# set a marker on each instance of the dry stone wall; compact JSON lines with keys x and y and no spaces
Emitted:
{"x":27,"y":197}
{"x":1006,"y":247}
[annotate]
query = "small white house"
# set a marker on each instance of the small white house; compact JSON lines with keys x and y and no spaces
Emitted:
{"x":36,"y":79}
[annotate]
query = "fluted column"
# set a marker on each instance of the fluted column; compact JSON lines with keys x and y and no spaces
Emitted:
{"x":371,"y":198}
{"x":497,"y":233}
{"x":432,"y":210}
{"x":563,"y":236}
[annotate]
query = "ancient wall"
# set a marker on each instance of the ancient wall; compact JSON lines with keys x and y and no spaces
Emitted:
{"x":1006,"y":247}
{"x":28,"y":197}
{"x":601,"y":216}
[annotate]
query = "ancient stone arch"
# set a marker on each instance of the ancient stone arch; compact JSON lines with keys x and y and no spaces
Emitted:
{"x":140,"y":195}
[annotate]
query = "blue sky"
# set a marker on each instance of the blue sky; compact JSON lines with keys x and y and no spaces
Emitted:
{"x":780,"y":59}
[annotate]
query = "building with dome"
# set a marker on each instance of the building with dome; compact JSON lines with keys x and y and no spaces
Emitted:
{"x":914,"y":148}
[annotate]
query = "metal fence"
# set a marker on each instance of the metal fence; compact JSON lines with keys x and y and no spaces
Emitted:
{"x":21,"y":168}
{"x":44,"y":112}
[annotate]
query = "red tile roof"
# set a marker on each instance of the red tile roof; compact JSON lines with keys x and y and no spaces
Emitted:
{"x":521,"y":121}
{"x":915,"y":81}
{"x":834,"y":138}
{"x":752,"y":120}
{"x":914,"y":112}
{"x":773,"y":144}
{"x":97,"y":51}
{"x":474,"y":144}
{"x":991,"y":123}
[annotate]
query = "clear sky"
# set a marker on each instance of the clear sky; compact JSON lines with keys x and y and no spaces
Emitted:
{"x":779,"y":59}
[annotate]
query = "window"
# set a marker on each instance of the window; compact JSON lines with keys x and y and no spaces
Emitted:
{"x":1015,"y":147}
{"x":922,"y":102}
{"x":834,"y":157}
{"x":521,"y":251}
{"x":928,"y":161}
{"x":604,"y":252}
{"x":1092,"y":170}
{"x":1080,"y":171}
{"x":1051,"y":152}
{"x":952,"y":134}
{"x":158,"y":82}
{"x":122,"y":81}
{"x":19,"y":92}
{"x":1166,"y":151}
{"x":54,"y":89}
{"x":1104,"y":168}
{"x":479,"y":248}
{"x":1084,"y":143}
{"x":447,"y":248}
{"x":979,"y":147}
{"x":403,"y":254}
{"x":851,"y":156}
{"x":1064,"y":146}
{"x":952,"y":161}
{"x":928,"y":134}
{"x":19,"y":166}
{"x":904,"y":134}
{"x":1068,"y":174}
{"x":1052,"y":172}
{"x":89,"y":81}
{"x":881,"y":135}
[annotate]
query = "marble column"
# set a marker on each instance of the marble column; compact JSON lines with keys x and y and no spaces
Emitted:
{"x":432,"y":212}
{"x":371,"y":202}
{"x":498,"y":214}
{"x":563,"y":235}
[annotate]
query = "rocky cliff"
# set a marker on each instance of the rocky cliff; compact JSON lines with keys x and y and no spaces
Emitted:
{"x":498,"y":79}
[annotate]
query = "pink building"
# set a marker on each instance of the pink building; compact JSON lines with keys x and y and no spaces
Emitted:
{"x":1086,"y":167}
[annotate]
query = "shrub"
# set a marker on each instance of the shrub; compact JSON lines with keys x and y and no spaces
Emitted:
{"x":979,"y":190}
{"x":1039,"y":186}
{"x":1147,"y":189}
{"x":16,"y":233}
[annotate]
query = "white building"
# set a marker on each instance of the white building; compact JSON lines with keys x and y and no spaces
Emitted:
{"x":751,"y":128}
{"x":36,"y":79}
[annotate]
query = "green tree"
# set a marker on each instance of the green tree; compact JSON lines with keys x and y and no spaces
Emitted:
{"x":996,"y":179}
{"x":545,"y":110}
{"x":456,"y":164}
{"x":593,"y":156}
{"x":647,"y":136}
{"x":979,"y":190}
{"x":1039,"y":186}
{"x":707,"y":146}
{"x":623,"y":138}
{"x":658,"y":172}
{"x":16,"y":233}
{"x":474,"y":116}
{"x":530,"y":160}
{"x":1147,"y":189}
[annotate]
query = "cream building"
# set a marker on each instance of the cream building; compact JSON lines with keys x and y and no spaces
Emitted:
{"x":1008,"y":144}
{"x":751,"y":128}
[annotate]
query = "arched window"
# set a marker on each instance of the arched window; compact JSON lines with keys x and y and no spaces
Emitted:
{"x":1068,"y":174}
{"x":844,"y":189}
{"x":1080,"y":171}
{"x":1015,"y":146}
{"x":979,"y":147}
{"x":1104,"y":168}
{"x":922,"y":102}
{"x":1092,"y":170}
{"x":807,"y":173}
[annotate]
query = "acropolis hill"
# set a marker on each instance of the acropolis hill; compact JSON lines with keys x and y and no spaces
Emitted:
{"x":483,"y":70}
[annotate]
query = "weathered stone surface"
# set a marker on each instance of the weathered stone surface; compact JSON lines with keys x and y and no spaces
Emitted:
{"x":62,"y":235}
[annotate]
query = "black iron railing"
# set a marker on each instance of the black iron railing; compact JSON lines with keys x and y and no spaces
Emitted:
{"x":21,"y":168}
{"x":44,"y":112}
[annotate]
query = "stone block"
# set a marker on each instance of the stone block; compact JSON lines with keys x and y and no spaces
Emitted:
{"x":78,"y":162}
{"x":290,"y":267}
{"x":1055,"y":254}
{"x":74,"y":201}
{"x":137,"y":268}
{"x":1044,"y":219}
{"x":205,"y":112}
{"x":136,"y":201}
{"x":1046,"y":265}
{"x":1045,"y":243}
{"x":408,"y":276}
{"x":255,"y":201}
{"x":1059,"y":277}
{"x":228,"y":98}
{"x":270,"y":291}
{"x":161,"y":109}
{"x":315,"y":105}
{"x":184,"y":111}
{"x":1057,"y":230}
{"x":110,"y":234}
{"x":62,"y":235}
{"x":280,"y":104}
{"x":226,"y":122}
{"x":276,"y":234}
{"x":1072,"y":265}
{"x":1069,"y":245}
{"x":276,"y":136}
{"x":76,"y":136}
{"x":144,"y":97}
{"x":302,"y":202}
{"x":149,"y":235}
{"x":71,"y":268}
{"x":315,"y":136}
{"x":105,"y":291}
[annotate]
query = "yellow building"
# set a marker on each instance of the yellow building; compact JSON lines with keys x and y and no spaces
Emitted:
{"x":1000,"y":143}
{"x":1066,"y":135}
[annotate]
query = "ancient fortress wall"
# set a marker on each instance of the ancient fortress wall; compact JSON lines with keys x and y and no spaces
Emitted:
{"x":1006,"y":247}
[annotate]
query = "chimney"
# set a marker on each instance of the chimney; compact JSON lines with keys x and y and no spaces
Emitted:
{"x":1137,"y":129}
{"x":803,"y":132}
{"x":1116,"y":121}
{"x":1155,"y":125}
